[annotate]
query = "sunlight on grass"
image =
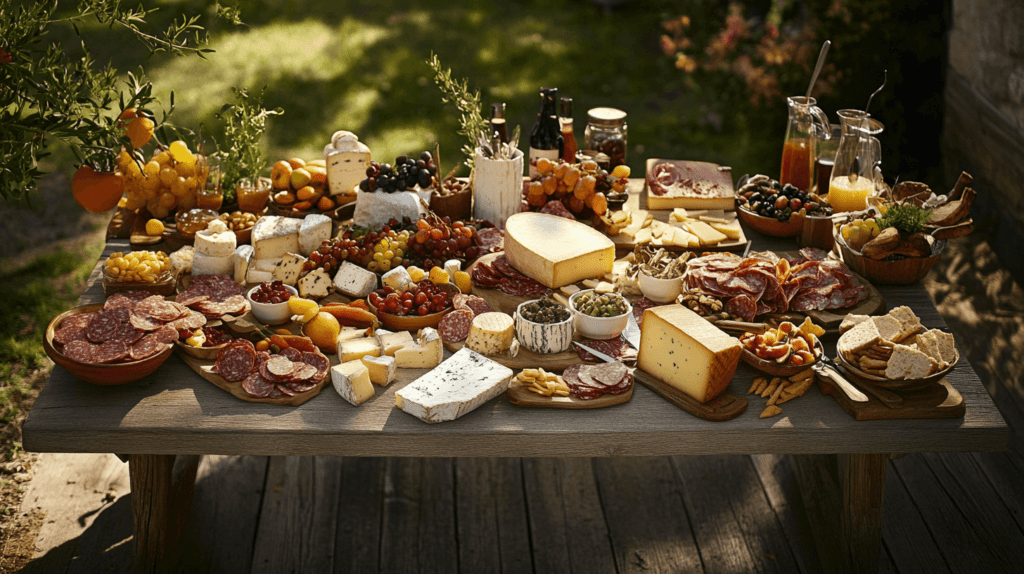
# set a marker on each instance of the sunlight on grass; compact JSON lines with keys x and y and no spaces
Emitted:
{"x":407,"y":139}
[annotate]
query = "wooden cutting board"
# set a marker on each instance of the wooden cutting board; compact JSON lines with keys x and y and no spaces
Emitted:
{"x":724,"y":407}
{"x":938,"y":401}
{"x":527,"y":359}
{"x":518,"y":394}
{"x":203,"y":369}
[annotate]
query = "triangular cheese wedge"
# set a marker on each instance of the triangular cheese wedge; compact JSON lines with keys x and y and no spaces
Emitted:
{"x":731,"y":230}
{"x":707,"y":235}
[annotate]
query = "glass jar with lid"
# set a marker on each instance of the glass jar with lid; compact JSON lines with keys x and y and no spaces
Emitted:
{"x":607,"y":133}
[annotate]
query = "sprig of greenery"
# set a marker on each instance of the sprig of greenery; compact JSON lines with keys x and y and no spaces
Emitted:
{"x":469,"y":104}
{"x":243,"y":156}
{"x":50,"y":94}
{"x":906,"y":218}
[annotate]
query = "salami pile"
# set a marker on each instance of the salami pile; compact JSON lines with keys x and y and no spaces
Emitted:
{"x":556,"y":207}
{"x":765,"y":283}
{"x":615,"y":348}
{"x":501,"y":275}
{"x":214,"y":295}
{"x":591,"y":381}
{"x":266,"y":376}
{"x":131,"y":326}
{"x":490,"y":240}
{"x":454,"y":327}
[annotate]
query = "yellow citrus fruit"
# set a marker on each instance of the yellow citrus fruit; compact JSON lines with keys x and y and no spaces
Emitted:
{"x":180,"y":152}
{"x":140,"y":131}
{"x":416,"y":274}
{"x":154,"y":227}
{"x":439,"y":276}
{"x":304,"y":307}
{"x":621,"y":171}
{"x":323,"y":330}
{"x":463,"y":281}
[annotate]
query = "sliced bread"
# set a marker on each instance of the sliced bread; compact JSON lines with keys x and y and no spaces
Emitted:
{"x":907,"y":363}
{"x":860,"y":338}
{"x":852,"y":321}
{"x":889,"y":328}
{"x":909,"y":323}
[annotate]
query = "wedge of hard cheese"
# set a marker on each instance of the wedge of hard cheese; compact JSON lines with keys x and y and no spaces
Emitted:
{"x":460,"y":384}
{"x":556,"y":251}
{"x":681,"y":349}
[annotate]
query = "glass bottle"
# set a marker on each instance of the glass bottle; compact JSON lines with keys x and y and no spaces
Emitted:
{"x":498,"y":121}
{"x":858,"y":162}
{"x":807,"y":124}
{"x":569,"y":147}
{"x":546,"y":136}
{"x":607,"y":133}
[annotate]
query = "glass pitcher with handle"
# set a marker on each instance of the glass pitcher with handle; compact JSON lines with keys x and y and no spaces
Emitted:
{"x":807,"y":124}
{"x":857,"y":171}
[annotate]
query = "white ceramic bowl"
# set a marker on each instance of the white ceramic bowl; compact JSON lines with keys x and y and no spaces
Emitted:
{"x":660,"y":290}
{"x":271,"y":313}
{"x":598,"y":327}
{"x":543,"y":338}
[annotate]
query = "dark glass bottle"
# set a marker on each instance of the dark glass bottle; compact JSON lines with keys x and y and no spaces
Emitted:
{"x":546,"y":136}
{"x":498,"y":121}
{"x":569,"y":146}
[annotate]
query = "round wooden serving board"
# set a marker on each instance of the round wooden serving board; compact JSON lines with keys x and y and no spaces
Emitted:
{"x":203,"y":369}
{"x":518,"y":394}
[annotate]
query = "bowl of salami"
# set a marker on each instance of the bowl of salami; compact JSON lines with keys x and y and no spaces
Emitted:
{"x":113,"y":343}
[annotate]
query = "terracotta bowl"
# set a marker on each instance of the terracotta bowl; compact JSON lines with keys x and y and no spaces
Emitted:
{"x":770,"y":225}
{"x":895,"y":269}
{"x":414,"y":322}
{"x":105,"y":375}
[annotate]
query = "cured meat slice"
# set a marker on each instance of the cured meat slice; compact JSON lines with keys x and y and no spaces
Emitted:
{"x":742,"y":306}
{"x":318,"y":361}
{"x":193,"y":295}
{"x":266,"y":374}
{"x":81,"y":320}
{"x":262,"y":357}
{"x":302,"y":373}
{"x":615,"y":348}
{"x":158,"y":308}
{"x":234,"y":363}
{"x":147,"y":347}
{"x":303,"y":387}
{"x":504,"y":266}
{"x":110,"y":351}
{"x":280,"y":366}
{"x":292,"y":354}
{"x":479,"y":306}
{"x":81,"y":351}
{"x":144,"y":323}
{"x":256,"y":387}
{"x":642,"y":304}
{"x":104,"y":325}
{"x":609,"y":374}
{"x":459,"y":301}
{"x":65,"y":335}
{"x":454,"y":327}
{"x":556,"y":207}
{"x":166,"y":334}
{"x":127,"y":334}
{"x":285,"y":390}
{"x":117,"y":301}
{"x":192,"y":321}
{"x":490,"y":239}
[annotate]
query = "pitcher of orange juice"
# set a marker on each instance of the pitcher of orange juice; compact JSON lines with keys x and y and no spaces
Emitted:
{"x":858,"y":162}
{"x":807,"y":124}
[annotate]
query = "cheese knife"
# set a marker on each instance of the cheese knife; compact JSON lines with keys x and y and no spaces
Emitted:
{"x":632,"y":333}
{"x":598,"y":354}
{"x":827,"y":368}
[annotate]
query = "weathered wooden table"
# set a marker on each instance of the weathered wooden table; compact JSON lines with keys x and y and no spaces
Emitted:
{"x":162,"y":423}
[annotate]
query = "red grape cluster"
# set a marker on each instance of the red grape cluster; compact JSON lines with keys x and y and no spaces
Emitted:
{"x":424,"y":299}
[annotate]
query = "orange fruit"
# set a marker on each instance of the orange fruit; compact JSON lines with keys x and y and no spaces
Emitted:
{"x":95,"y":191}
{"x":127,"y":115}
{"x":297,"y":162}
{"x":285,"y":198}
{"x":306,"y":193}
{"x":325,"y":204}
{"x":323,"y":330}
{"x":140,"y":131}
{"x":307,"y":308}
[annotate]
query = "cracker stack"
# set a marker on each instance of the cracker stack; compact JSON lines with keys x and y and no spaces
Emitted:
{"x":895,"y":346}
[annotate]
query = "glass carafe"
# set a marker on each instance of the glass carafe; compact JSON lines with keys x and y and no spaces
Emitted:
{"x":807,"y":124}
{"x":858,"y":162}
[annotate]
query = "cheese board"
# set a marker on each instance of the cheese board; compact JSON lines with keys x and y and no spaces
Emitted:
{"x":518,"y":394}
{"x":724,"y":407}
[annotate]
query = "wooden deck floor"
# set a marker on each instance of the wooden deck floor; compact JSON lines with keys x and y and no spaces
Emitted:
{"x":961,"y":512}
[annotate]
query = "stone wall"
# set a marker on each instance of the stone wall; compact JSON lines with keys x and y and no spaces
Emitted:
{"x":984,"y":118}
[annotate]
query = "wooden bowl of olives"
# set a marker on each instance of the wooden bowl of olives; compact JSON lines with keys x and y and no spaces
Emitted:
{"x":773,"y":209}
{"x":599,"y":315}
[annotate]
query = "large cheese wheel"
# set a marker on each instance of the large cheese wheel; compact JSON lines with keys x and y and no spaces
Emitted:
{"x":556,"y":251}
{"x":491,"y":333}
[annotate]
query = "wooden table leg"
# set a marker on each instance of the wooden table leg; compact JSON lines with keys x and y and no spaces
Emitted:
{"x":161,"y":500}
{"x":844,"y":495}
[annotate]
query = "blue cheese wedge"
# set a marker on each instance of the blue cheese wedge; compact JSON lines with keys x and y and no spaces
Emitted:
{"x":354,"y":281}
{"x":455,"y":387}
{"x":315,"y":229}
{"x":315,"y":285}
{"x":289,"y":269}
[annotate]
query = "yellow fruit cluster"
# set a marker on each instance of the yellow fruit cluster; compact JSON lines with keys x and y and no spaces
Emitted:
{"x":558,"y":180}
{"x":301,"y":184}
{"x":168,"y":182}
{"x":137,"y":266}
{"x":858,"y":232}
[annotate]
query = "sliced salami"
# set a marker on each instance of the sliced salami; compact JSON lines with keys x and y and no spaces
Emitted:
{"x":127,"y":334}
{"x":81,"y":320}
{"x":192,"y":321}
{"x":144,"y":323}
{"x":261,"y":358}
{"x":65,"y":335}
{"x":490,"y":239}
{"x":193,"y":295}
{"x":104,"y":325}
{"x":166,"y":334}
{"x":303,"y":387}
{"x":460,"y":301}
{"x":117,"y":301}
{"x":147,"y":347}
{"x":318,"y":361}
{"x":615,"y":348}
{"x":280,"y":366}
{"x":256,"y":387}
{"x":303,"y":373}
{"x":234,"y":363}
{"x":478,"y":305}
{"x":642,"y":304}
{"x":110,"y":351}
{"x":159,"y":308}
{"x":266,"y":374}
{"x":283,"y":389}
{"x":81,"y":351}
{"x":609,"y":374}
{"x":294,"y":355}
{"x":454,"y":327}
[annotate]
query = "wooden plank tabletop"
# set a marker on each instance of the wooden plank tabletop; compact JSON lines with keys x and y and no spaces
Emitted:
{"x":174,"y":411}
